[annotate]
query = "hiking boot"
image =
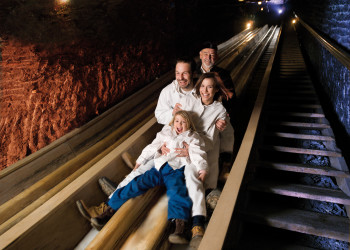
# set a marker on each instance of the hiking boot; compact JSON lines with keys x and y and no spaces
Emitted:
{"x":107,"y":186}
{"x":178,"y":237}
{"x":197,"y":236}
{"x":99,"y":221}
{"x":90,"y":212}
{"x":213,"y":198}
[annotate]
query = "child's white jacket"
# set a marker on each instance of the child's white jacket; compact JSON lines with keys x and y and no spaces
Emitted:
{"x":197,"y":155}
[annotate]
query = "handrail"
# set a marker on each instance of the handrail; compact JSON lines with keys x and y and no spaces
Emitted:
{"x":215,"y":234}
{"x":341,"y":55}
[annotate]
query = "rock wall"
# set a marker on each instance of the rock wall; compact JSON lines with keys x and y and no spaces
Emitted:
{"x":332,"y":20}
{"x":63,"y":62}
{"x":63,"y":65}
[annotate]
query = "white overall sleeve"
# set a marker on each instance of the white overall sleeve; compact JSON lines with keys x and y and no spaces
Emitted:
{"x":164,"y":109}
{"x":151,"y":150}
{"x":197,"y":154}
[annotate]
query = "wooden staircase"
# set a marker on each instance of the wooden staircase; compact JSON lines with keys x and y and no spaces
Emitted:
{"x":296,"y":175}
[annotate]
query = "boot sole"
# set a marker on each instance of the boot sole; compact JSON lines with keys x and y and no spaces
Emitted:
{"x":195,"y":241}
{"x":95,"y":224}
{"x":82,"y":210}
{"x":98,"y":228}
{"x":107,"y":186}
{"x":176,"y":239}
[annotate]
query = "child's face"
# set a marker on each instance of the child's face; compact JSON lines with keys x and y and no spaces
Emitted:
{"x":180,"y":124}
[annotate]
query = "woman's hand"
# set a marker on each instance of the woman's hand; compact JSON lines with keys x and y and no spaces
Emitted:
{"x":220,"y":125}
{"x":136,"y":166}
{"x":182,"y":152}
{"x":202,"y":175}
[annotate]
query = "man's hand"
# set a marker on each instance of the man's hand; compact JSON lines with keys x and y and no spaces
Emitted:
{"x":164,"y":149}
{"x":136,"y":166}
{"x":182,"y":152}
{"x":228,"y":95}
{"x":220,"y":125}
{"x":177,"y":108}
{"x":202,"y":175}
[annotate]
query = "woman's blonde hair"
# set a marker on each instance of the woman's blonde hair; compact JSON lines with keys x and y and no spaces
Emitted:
{"x":184,"y":114}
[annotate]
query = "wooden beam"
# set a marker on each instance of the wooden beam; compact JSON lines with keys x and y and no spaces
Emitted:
{"x":58,"y":213}
{"x":215,"y":233}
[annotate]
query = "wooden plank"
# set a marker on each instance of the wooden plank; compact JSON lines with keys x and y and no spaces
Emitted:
{"x":215,"y":233}
{"x":329,"y":226}
{"x":301,"y":136}
{"x":300,"y":114}
{"x":48,"y":224}
{"x":295,"y":105}
{"x":149,"y":233}
{"x":301,"y":124}
{"x":117,"y":230}
{"x":301,"y":191}
{"x":302,"y":151}
{"x":296,"y":98}
{"x":16,"y":181}
{"x":302,"y":168}
{"x":24,"y":203}
{"x":282,"y":92}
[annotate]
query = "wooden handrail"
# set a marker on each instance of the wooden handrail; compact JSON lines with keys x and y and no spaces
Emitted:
{"x":74,"y":188}
{"x":215,"y":233}
{"x":21,"y":205}
{"x":341,"y":55}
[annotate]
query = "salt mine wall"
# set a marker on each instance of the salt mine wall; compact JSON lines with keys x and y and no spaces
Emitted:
{"x":332,"y":20}
{"x":64,"y":62}
{"x":60,"y":67}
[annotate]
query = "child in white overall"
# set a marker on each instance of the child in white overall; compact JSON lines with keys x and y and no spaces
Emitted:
{"x":168,"y":170}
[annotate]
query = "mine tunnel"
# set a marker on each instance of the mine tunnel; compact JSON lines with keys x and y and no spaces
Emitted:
{"x":79,"y":85}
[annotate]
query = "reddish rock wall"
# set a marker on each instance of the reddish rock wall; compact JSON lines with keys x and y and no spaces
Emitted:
{"x":45,"y":94}
{"x":52,"y":85}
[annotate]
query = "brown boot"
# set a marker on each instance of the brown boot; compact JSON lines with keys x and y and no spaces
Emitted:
{"x":99,"y":221}
{"x":178,"y":237}
{"x":197,"y":236}
{"x":90,"y":212}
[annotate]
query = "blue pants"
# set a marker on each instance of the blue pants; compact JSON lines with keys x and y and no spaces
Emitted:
{"x":179,"y":204}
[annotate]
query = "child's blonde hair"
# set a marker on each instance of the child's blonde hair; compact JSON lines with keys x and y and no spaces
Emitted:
{"x":184,"y":114}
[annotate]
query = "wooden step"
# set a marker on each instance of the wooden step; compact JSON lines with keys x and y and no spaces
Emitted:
{"x":329,"y":226}
{"x":302,"y":151}
{"x":291,"y":91}
{"x":295,"y":105}
{"x":301,"y":125}
{"x":301,"y":136}
{"x":301,"y":191}
{"x":263,"y":238}
{"x":299,"y":114}
{"x":292,"y":86}
{"x":302,"y":168}
{"x":295,"y":98}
